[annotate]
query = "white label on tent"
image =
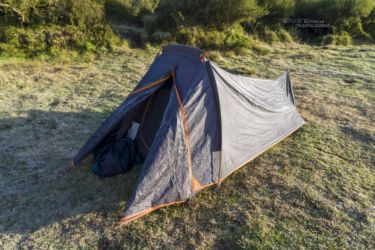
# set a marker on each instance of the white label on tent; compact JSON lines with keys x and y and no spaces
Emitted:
{"x":133,"y":130}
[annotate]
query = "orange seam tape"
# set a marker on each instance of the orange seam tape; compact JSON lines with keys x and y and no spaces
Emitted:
{"x":126,"y":219}
{"x":150,"y":85}
{"x":195,"y":184}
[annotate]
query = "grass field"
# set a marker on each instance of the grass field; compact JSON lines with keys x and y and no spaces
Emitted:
{"x":316,"y":189}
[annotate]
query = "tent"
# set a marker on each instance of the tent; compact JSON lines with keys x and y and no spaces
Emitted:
{"x":198,"y":124}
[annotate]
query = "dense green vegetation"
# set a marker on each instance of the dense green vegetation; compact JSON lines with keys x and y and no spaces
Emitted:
{"x":33,"y":26}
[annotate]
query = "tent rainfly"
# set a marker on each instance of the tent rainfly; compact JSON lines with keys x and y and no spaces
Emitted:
{"x":198,"y":124}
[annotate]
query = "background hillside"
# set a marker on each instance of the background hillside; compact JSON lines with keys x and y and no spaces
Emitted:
{"x":30,"y":27}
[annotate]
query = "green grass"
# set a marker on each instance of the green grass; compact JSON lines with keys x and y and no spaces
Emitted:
{"x":316,"y":189}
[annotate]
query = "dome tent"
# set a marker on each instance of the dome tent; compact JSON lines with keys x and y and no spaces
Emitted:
{"x":198,"y":124}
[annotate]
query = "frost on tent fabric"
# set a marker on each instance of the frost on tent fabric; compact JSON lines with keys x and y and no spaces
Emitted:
{"x":197,"y":124}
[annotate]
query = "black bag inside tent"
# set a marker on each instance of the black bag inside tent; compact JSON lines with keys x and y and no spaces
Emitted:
{"x":199,"y":123}
{"x":116,"y":158}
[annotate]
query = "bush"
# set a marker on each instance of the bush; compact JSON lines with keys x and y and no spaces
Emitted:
{"x":161,"y":36}
{"x":342,"y":15}
{"x":341,"y":39}
{"x":269,"y":36}
{"x":148,"y":23}
{"x":276,"y":10}
{"x":285,"y":36}
{"x":369,"y":24}
{"x":120,"y":10}
{"x":129,"y":11}
{"x":197,"y":36}
{"x":41,"y":39}
{"x":232,"y":38}
{"x":35,"y":26}
{"x":138,"y":35}
{"x":219,"y":14}
{"x":83,"y":14}
{"x":235,"y":37}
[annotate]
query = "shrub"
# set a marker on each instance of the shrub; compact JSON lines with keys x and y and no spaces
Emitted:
{"x":231,"y":38}
{"x":148,"y":22}
{"x":129,"y":11}
{"x":44,"y":39}
{"x":197,"y":36}
{"x":235,"y":37}
{"x":83,"y":14}
{"x":285,"y":36}
{"x":119,"y":10}
{"x":341,"y":39}
{"x":138,"y":35}
{"x":35,"y":26}
{"x":342,"y":15}
{"x":161,"y":36}
{"x":369,"y":24}
{"x":220,"y":14}
{"x":276,"y":10}
{"x":269,"y":36}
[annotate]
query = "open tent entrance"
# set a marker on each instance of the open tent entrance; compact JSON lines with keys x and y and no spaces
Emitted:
{"x":151,"y":115}
{"x":148,"y":115}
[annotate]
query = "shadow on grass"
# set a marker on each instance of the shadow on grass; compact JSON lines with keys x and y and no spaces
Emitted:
{"x":361,"y":136}
{"x":38,"y":185}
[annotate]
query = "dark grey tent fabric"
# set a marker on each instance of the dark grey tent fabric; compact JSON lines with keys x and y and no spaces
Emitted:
{"x":165,"y":176}
{"x":199,"y":123}
{"x":181,"y":59}
{"x":204,"y":129}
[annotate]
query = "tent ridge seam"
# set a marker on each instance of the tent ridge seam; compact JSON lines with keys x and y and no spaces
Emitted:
{"x":214,"y":85}
{"x":194,"y":184}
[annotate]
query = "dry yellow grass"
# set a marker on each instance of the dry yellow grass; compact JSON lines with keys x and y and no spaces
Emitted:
{"x":316,"y":189}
